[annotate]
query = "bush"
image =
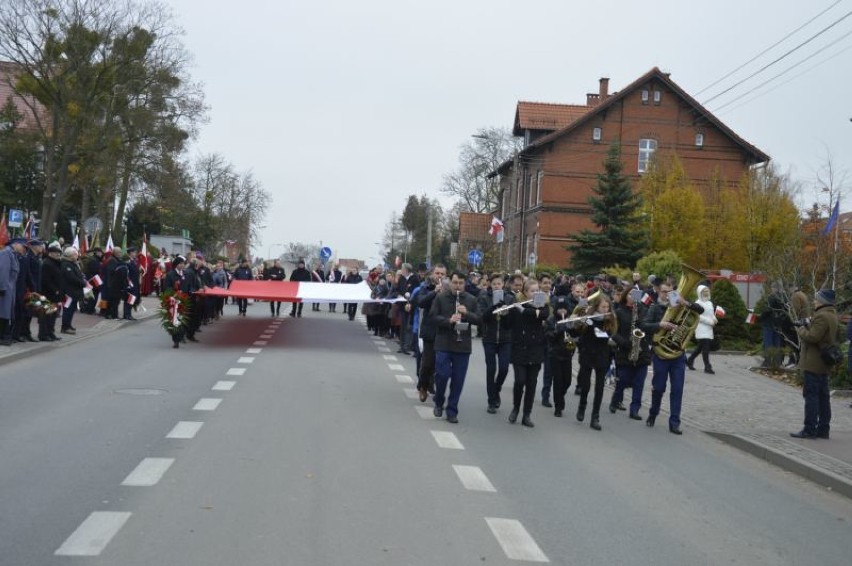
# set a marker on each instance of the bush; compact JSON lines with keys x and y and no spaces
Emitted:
{"x":623,"y":273}
{"x":660,"y":264}
{"x":732,"y":329}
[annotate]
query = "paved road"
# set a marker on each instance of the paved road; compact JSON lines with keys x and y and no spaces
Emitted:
{"x":317,"y":454}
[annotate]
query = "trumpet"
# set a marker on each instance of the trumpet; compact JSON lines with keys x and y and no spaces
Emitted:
{"x":574,"y":319}
{"x":504,"y":308}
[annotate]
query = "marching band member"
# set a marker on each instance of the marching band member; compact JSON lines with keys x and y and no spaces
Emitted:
{"x":496,"y":338}
{"x":528,"y":348}
{"x":633,"y":354}
{"x":595,"y":344}
{"x":562,"y":348}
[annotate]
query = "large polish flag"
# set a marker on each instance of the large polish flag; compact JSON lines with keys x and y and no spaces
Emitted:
{"x":293,"y":292}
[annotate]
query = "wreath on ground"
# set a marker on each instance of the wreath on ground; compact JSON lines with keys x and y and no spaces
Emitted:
{"x":174,"y":311}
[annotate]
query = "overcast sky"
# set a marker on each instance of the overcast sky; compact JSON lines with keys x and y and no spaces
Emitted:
{"x":343,"y":108}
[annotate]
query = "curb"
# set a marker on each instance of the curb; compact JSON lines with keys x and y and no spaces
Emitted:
{"x":834,"y":474}
{"x":99,"y":329}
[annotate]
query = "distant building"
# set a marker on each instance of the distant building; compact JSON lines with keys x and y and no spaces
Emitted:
{"x":172,"y":244}
{"x":8,"y":77}
{"x":545,"y":188}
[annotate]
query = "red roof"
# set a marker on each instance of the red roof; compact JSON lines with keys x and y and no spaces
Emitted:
{"x":545,"y":116}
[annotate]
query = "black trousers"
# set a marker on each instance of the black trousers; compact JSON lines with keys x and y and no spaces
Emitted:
{"x":426,"y":375}
{"x":702,"y":347}
{"x":351,"y":309}
{"x":297,"y":307}
{"x":526,"y":379}
{"x":584,"y":377}
{"x":242,"y":304}
{"x":561,"y":369}
{"x":275,"y":307}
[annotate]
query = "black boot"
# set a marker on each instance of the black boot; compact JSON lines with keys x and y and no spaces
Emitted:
{"x":596,"y":422}
{"x":527,"y":422}
{"x":513,"y":416}
{"x":581,"y":414}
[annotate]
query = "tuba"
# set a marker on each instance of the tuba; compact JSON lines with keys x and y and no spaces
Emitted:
{"x":671,"y":344}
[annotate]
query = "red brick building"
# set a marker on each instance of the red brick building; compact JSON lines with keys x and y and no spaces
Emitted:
{"x":545,"y":188}
{"x":8,"y":76}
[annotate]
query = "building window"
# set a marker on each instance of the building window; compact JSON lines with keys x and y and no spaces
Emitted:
{"x":518,"y":200}
{"x":531,"y":196}
{"x":596,"y":134}
{"x":699,"y":140}
{"x":647,"y":147}
{"x":644,"y":97}
{"x":538,"y":179}
{"x":657,"y":97}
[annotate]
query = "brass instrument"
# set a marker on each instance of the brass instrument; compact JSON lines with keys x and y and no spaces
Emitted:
{"x":671,"y":344}
{"x":570,"y":343}
{"x":636,"y":336}
{"x":504,"y":308}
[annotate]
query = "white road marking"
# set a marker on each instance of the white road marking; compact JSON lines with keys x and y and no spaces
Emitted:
{"x":515,"y":540}
{"x":473,"y":478}
{"x":383,"y":349}
{"x":224,"y":385}
{"x":235,"y":371}
{"x":404,"y":379}
{"x":425,"y":412}
{"x":259,"y":343}
{"x":149,"y":472}
{"x":185,"y":429}
{"x":395,"y":367}
{"x":390,"y":358}
{"x":254,"y":350}
{"x":93,"y":534}
{"x":265,"y":336}
{"x":207,"y":404}
{"x":245,"y":360}
{"x":447,"y":440}
{"x":412,"y":393}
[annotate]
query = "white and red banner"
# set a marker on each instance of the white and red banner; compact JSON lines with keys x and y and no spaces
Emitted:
{"x":294,"y":292}
{"x":496,"y":228}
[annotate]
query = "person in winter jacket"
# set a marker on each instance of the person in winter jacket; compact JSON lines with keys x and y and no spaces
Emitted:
{"x":631,"y":365}
{"x":299,"y":274}
{"x":427,"y":330}
{"x":704,"y":330}
{"x":73,"y":284}
{"x":496,"y":338}
{"x":528,"y":350}
{"x":243,"y":273}
{"x":595,"y":345}
{"x":52,"y":289}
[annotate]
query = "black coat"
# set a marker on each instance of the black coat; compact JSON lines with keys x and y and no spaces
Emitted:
{"x":133,"y":276}
{"x":496,"y":329}
{"x":72,"y":279}
{"x":624,"y":340}
{"x":423,"y":300}
{"x":560,"y":348}
{"x":173,"y":280}
{"x":528,"y":338}
{"x":191,"y":281}
{"x":446,"y":338}
{"x":51,"y":281}
{"x":243,"y":274}
{"x":300,"y":274}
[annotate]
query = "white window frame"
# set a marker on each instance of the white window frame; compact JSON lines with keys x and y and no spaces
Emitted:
{"x":644,"y":96}
{"x":658,"y":96}
{"x":699,"y":140}
{"x":518,"y":194}
{"x":647,"y":148}
{"x":531,"y":195}
{"x":538,"y":179}
{"x":597,"y":133}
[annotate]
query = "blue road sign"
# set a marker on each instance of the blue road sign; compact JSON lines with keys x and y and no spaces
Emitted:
{"x":325,"y":253}
{"x":16,"y":218}
{"x":474,"y":257}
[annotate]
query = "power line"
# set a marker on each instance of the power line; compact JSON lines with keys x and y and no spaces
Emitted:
{"x":785,"y":55}
{"x":780,"y":41}
{"x":785,"y":71}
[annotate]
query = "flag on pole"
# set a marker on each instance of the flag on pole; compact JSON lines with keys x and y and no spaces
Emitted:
{"x":28,"y":228}
{"x":84,"y":244}
{"x":751,"y":318}
{"x":96,"y":280}
{"x":397,"y":262}
{"x":76,"y":243}
{"x":67,"y":302}
{"x":109,"y":244}
{"x":143,"y":255}
{"x":832,"y":220}
{"x":496,"y":226}
{"x":647,"y":299}
{"x":4,"y":230}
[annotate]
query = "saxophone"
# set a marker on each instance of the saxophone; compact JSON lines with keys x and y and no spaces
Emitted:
{"x":636,"y":336}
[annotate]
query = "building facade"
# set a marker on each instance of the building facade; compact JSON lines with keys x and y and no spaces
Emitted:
{"x":546,"y":186}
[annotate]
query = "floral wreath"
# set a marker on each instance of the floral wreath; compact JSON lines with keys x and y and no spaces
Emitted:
{"x":174,"y":311}
{"x":39,"y":304}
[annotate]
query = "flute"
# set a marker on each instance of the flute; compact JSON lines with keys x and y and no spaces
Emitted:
{"x":573,"y":319}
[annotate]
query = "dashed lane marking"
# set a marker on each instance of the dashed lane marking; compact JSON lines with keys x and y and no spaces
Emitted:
{"x":149,"y":472}
{"x":254,"y":350}
{"x":383,"y":349}
{"x":185,"y":430}
{"x":447,"y":440}
{"x":515,"y":540}
{"x":224,"y":385}
{"x":265,"y":336}
{"x":395,"y":367}
{"x":473,"y":478}
{"x":245,"y":360}
{"x":412,"y":393}
{"x":260,"y":343}
{"x":235,"y":371}
{"x":93,"y":534}
{"x":390,"y":358}
{"x":404,"y":379}
{"x":207,"y":404}
{"x":425,"y":412}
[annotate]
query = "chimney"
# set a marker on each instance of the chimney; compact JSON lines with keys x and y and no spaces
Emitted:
{"x":592,"y":99}
{"x":604,"y":88}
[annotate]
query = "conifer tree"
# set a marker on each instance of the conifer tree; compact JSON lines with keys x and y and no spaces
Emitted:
{"x":620,"y":238}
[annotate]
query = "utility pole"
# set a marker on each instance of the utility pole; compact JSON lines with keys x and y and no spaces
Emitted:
{"x":429,"y":235}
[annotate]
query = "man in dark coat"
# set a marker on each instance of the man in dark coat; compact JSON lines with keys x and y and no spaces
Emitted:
{"x":334,"y":276}
{"x":453,"y":313}
{"x":191,"y":284}
{"x":133,"y":282}
{"x":115,"y":282}
{"x":243,"y":273}
{"x":299,"y":274}
{"x":20,"y":315}
{"x":274,"y":273}
{"x":427,"y":331}
{"x":9,"y":268}
{"x":352,"y":278}
{"x":92,"y":267}
{"x":73,"y":284}
{"x":53,"y":290}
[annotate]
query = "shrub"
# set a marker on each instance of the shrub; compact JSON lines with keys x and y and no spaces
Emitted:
{"x":732,"y":329}
{"x":660,"y":264}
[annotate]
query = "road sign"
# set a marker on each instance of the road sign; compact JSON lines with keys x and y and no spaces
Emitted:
{"x":16,"y":218}
{"x":531,"y":259}
{"x":325,"y":253}
{"x":474,"y":257}
{"x":93,"y":224}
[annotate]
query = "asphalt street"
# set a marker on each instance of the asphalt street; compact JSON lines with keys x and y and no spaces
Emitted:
{"x":300,"y":442}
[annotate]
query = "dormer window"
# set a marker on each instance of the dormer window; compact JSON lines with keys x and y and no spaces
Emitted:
{"x":658,"y":96}
{"x":596,"y":134}
{"x":644,"y":97}
{"x":699,"y":140}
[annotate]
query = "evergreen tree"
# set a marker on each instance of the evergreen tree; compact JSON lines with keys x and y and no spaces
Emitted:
{"x":620,"y":238}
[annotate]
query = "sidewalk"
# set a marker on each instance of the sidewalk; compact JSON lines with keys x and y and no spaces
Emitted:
{"x":87,"y":325}
{"x":757,"y":414}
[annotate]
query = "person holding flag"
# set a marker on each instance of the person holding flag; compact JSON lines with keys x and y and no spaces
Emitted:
{"x":73,"y":284}
{"x":133,"y":282}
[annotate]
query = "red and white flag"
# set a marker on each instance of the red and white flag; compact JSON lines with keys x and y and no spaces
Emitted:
{"x":751,"y":318}
{"x":96,"y":280}
{"x":131,"y":299}
{"x":109,"y":244}
{"x":496,"y":228}
{"x":398,"y":261}
{"x":647,"y":299}
{"x":143,"y":255}
{"x":76,"y":243}
{"x":720,"y":312}
{"x":68,"y":301}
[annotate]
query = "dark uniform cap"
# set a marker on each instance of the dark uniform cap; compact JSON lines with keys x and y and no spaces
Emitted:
{"x":35,"y":243}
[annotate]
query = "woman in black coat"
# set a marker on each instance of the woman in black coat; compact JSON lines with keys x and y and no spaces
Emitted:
{"x":528,"y":350}
{"x":52,"y":289}
{"x":595,"y":345}
{"x":73,"y":284}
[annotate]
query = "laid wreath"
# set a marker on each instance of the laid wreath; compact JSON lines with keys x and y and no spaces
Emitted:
{"x":38,"y":304}
{"x":174,"y":311}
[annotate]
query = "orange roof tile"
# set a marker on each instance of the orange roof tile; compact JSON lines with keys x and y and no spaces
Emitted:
{"x":546,"y":116}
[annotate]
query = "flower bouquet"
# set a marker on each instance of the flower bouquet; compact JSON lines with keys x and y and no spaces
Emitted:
{"x":174,"y":312}
{"x":38,"y":304}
